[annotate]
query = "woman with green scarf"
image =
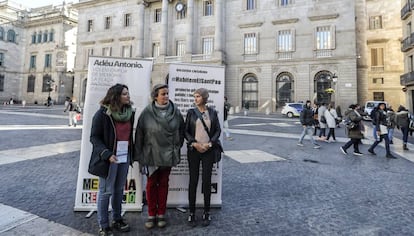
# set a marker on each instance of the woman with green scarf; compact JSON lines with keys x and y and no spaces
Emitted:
{"x":158,"y":140}
{"x":111,"y":138}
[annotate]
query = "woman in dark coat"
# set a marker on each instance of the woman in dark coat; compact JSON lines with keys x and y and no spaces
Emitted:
{"x":111,"y":138}
{"x":202,"y":132}
{"x":354,"y":130}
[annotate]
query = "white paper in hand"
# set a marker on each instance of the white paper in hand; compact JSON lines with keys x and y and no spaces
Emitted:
{"x":122,"y":151}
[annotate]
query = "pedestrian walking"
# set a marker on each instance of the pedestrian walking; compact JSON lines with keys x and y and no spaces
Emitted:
{"x":316,"y":125}
{"x":307,"y":121}
{"x":402,"y":121}
{"x":227,"y":106}
{"x":390,"y":123}
{"x":202,"y":132}
{"x":111,"y":138}
{"x":353,"y":120}
{"x":71,"y":108}
{"x":246,"y":108}
{"x":322,"y":121}
{"x":380,"y":119}
{"x":158,"y":140}
{"x":331,"y":117}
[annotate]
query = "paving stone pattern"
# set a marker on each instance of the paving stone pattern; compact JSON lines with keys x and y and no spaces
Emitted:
{"x":312,"y":192}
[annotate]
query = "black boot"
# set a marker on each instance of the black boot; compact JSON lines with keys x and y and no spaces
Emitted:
{"x":405,"y":147}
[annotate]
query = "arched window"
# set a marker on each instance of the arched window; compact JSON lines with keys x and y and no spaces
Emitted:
{"x":250,"y":91}
{"x":1,"y":33}
{"x":11,"y":36}
{"x":323,"y":87}
{"x":284,"y":89}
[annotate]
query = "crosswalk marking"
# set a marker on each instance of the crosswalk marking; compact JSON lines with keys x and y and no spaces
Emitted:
{"x":252,"y":156}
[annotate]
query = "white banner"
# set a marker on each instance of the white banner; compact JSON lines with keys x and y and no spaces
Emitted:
{"x":184,"y":79}
{"x":103,"y":73}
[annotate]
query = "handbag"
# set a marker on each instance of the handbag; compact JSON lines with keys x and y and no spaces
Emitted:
{"x":216,"y":149}
{"x":323,"y":119}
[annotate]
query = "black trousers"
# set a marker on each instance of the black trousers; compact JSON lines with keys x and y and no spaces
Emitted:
{"x":207,"y":161}
{"x":355,"y":142}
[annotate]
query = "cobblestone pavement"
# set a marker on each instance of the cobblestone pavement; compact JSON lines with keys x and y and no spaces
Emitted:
{"x":311,"y":192}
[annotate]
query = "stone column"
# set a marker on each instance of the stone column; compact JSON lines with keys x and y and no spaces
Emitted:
{"x":164,"y":28}
{"x":190,"y":24}
{"x":140,"y":36}
{"x":218,"y":36}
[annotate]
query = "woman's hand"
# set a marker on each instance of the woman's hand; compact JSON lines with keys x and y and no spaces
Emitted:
{"x":113,"y":159}
{"x":201,"y":147}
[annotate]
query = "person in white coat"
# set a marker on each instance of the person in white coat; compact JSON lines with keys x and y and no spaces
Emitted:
{"x":331,"y":116}
{"x":322,"y":124}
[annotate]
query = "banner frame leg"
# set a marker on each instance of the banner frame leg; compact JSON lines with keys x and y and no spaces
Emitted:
{"x":90,"y":213}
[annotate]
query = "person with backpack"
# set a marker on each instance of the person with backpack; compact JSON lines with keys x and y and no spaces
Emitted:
{"x":354,"y":119}
{"x":390,"y":123}
{"x":380,"y":120}
{"x":402,"y":121}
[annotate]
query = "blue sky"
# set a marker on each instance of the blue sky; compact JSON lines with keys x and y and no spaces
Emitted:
{"x":40,"y":3}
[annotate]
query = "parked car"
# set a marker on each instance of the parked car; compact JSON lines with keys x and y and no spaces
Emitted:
{"x":369,"y":106}
{"x":292,"y":109}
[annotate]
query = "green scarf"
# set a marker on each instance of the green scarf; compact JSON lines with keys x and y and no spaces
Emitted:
{"x":121,"y":116}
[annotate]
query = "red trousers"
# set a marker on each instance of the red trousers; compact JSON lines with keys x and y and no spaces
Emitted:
{"x":157,"y":191}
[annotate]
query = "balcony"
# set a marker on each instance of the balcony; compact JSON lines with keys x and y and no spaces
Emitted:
{"x":407,"y":79}
{"x":405,"y":11}
{"x":321,"y":53}
{"x":407,"y":43}
{"x":377,"y":68}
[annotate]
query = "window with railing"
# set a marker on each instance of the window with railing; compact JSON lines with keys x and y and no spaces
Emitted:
{"x":108,"y":22}
{"x":127,"y":20}
{"x":1,"y":59}
{"x":323,"y":38}
{"x":32,"y":62}
{"x":1,"y":33}
{"x":250,"y":43}
{"x":157,"y":15}
{"x":377,"y":59}
{"x":375,"y":22}
{"x":285,"y":41}
{"x":31,"y":79}
{"x":208,"y":8}
{"x":88,"y":53}
{"x":208,"y":46}
{"x":180,"y":48}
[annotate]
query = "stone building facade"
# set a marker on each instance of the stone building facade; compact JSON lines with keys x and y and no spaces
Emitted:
{"x":407,"y":47}
{"x":274,"y":51}
{"x":385,"y":59}
{"x":40,"y":62}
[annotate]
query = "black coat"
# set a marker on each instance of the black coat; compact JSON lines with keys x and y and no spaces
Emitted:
{"x":103,"y":139}
{"x":306,"y":116}
{"x":190,"y":127}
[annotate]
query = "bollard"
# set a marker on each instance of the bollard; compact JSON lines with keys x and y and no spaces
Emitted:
{"x":237,"y":110}
{"x":267,"y":112}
